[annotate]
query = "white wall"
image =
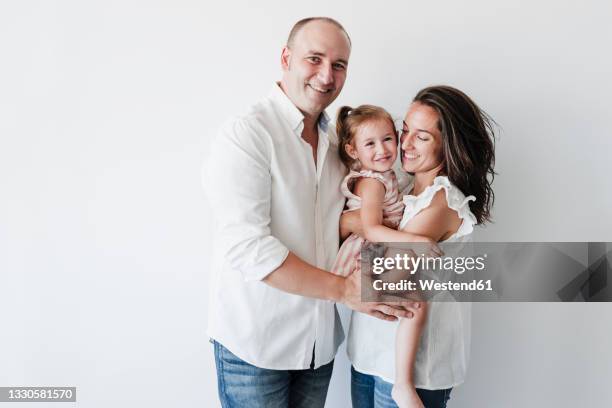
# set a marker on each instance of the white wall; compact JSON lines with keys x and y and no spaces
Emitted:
{"x":106,"y":109}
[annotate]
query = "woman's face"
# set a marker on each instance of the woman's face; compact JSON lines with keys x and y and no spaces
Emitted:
{"x":421,"y":141}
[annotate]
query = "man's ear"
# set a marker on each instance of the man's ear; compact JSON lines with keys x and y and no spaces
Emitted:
{"x":350,"y":150}
{"x":285,"y":58}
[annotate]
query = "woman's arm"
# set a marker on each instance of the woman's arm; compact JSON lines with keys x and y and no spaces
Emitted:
{"x":437,"y":221}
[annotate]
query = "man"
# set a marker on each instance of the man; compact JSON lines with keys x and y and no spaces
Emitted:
{"x":273,"y":182}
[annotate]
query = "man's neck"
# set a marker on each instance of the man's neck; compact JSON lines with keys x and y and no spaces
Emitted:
{"x":310,"y":135}
{"x":311,"y":123}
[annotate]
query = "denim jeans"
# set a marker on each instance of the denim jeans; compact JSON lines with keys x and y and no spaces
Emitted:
{"x":369,"y":391}
{"x":244,"y":385}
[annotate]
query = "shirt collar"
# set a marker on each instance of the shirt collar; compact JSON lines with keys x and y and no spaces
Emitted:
{"x":324,"y":121}
{"x":291,"y":112}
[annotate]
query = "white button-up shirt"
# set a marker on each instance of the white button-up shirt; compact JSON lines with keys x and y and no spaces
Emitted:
{"x":268,"y":198}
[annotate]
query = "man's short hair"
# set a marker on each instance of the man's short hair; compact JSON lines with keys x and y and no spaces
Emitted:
{"x":300,"y":24}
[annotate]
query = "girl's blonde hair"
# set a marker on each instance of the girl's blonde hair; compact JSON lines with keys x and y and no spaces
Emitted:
{"x":348,"y":122}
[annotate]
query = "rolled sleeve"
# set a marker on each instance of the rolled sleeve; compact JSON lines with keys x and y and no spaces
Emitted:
{"x":238,"y":182}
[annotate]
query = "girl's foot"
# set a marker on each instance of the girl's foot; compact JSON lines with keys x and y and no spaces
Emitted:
{"x":405,"y":396}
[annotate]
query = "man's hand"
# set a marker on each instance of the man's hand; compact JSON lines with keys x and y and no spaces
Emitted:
{"x":385,"y":311}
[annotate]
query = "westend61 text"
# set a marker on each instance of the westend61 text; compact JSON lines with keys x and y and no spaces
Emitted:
{"x":406,"y":285}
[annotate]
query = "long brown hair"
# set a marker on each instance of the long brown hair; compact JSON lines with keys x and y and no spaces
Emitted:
{"x":468,"y":145}
{"x":348,"y":121}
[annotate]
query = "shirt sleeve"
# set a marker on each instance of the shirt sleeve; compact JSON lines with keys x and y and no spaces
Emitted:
{"x":237,"y":181}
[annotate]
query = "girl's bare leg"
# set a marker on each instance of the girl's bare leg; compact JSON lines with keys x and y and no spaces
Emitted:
{"x":406,"y":345}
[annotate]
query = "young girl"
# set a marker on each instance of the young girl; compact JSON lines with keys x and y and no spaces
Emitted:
{"x":368,"y":146}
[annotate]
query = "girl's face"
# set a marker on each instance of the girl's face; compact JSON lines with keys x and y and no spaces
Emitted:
{"x":374,"y":145}
{"x":421,"y":140}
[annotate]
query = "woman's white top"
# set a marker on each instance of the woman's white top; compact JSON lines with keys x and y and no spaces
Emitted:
{"x":444,"y":348}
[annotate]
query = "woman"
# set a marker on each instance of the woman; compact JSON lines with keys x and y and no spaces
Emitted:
{"x":447,"y":144}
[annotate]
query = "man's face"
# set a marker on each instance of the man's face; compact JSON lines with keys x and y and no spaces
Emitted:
{"x":314,"y":68}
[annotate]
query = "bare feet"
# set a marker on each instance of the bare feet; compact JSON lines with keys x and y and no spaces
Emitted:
{"x":405,"y":396}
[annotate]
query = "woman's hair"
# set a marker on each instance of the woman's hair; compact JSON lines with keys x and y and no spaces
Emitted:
{"x":468,"y":145}
{"x":348,"y":121}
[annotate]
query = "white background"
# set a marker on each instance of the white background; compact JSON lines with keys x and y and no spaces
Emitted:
{"x":106,"y":111}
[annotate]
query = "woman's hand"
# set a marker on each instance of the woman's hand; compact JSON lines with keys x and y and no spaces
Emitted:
{"x":432,"y":249}
{"x":423,"y":244}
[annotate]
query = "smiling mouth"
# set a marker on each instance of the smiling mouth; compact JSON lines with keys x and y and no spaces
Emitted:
{"x":320,"y":90}
{"x":411,"y":156}
{"x":382,"y":159}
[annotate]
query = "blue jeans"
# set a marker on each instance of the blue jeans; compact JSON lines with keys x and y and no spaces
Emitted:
{"x":244,"y":385}
{"x":369,"y":391}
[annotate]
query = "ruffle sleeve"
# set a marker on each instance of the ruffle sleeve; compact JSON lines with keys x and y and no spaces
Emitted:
{"x":455,"y":199}
{"x":351,"y":178}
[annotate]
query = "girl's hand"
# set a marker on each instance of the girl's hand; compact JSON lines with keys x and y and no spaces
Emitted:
{"x":350,"y":223}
